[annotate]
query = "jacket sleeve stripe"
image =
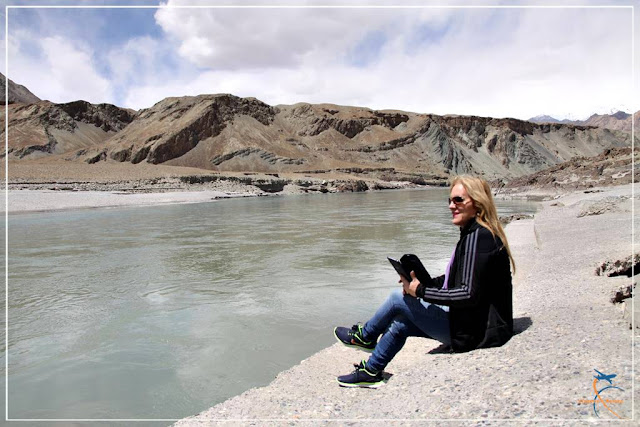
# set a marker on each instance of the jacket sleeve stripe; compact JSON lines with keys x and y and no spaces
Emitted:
{"x":446,"y":295}
{"x":473,"y":258}
{"x":470,"y":257}
{"x":465,"y":264}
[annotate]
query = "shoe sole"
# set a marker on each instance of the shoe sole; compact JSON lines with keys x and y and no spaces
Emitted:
{"x":368,"y":350}
{"x":361,"y":385}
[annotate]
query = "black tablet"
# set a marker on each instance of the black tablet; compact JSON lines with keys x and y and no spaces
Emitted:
{"x":398,"y":266}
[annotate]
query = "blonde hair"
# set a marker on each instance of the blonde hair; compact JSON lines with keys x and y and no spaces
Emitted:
{"x":487,"y":216}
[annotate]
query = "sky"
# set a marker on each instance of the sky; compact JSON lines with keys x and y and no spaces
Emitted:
{"x":502,"y":60}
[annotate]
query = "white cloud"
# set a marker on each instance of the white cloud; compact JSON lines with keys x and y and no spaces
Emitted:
{"x":498,"y":62}
{"x":228,"y":38}
{"x":493,"y":62}
{"x":138,"y":55}
{"x":62,"y":71}
{"x":260,"y":38}
{"x":141,"y":60}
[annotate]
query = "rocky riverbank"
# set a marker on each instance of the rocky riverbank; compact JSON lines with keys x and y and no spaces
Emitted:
{"x":566,"y":326}
{"x":57,"y":185}
{"x":42,"y":196}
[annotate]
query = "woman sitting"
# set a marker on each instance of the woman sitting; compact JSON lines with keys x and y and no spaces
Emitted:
{"x":468,"y":307}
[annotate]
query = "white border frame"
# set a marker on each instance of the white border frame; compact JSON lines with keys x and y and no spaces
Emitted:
{"x":6,"y":159}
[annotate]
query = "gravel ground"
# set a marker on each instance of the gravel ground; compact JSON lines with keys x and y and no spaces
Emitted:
{"x":566,"y":327}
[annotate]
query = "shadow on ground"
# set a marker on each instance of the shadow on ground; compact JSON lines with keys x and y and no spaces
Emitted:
{"x":520,"y":325}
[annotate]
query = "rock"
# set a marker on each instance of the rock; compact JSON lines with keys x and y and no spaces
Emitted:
{"x":611,"y":167}
{"x":107,"y":117}
{"x":504,"y":220}
{"x":352,"y":186}
{"x":271,"y":186}
{"x":622,"y":293}
{"x":607,"y":204}
{"x":620,"y":267}
{"x":316,"y":121}
{"x":98,"y":157}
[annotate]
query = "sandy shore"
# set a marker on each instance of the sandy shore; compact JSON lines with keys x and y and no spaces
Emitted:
{"x":51,"y":185}
{"x":42,"y":195}
{"x":55,"y":196}
{"x":24,"y":201}
{"x":566,"y":327}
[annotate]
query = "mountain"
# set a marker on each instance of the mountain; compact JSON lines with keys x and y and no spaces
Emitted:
{"x":17,"y":93}
{"x":44,"y":128}
{"x":544,"y":119}
{"x":227,"y":133}
{"x":617,"y":121}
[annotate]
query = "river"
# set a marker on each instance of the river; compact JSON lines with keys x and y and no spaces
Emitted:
{"x":162,"y":312}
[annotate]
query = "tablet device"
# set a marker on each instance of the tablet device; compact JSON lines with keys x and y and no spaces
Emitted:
{"x":398,"y":266}
{"x":409,"y":263}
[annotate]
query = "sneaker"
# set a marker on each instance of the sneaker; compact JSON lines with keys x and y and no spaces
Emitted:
{"x":353,"y":338}
{"x":361,"y":377}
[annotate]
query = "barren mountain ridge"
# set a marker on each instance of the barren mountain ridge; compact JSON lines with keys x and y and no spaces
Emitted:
{"x":225,"y":133}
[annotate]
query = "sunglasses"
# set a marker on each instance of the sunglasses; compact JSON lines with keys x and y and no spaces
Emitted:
{"x":458,"y":200}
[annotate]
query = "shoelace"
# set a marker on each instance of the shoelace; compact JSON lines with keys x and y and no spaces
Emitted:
{"x":355,"y":329}
{"x":358,"y":368}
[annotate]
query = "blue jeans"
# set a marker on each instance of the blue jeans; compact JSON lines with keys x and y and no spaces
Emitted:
{"x":400,"y":317}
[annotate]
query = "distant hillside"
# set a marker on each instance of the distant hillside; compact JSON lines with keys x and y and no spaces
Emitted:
{"x":17,"y":93}
{"x":617,"y":121}
{"x":543,"y":119}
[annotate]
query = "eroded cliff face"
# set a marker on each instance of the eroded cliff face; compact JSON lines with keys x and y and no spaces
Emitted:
{"x":174,"y":126}
{"x":491,"y":147}
{"x":107,"y":117}
{"x":227,"y":133}
{"x":44,"y":128}
{"x":348,"y":121}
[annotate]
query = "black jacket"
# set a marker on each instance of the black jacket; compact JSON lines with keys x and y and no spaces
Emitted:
{"x":479,"y":293}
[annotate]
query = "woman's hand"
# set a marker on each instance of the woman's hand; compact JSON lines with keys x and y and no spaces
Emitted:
{"x":409,"y":288}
